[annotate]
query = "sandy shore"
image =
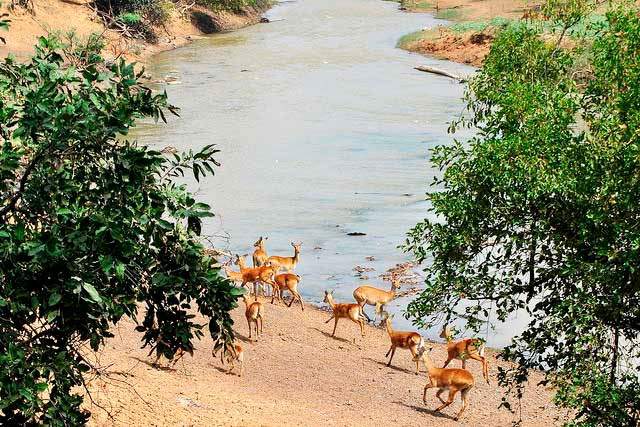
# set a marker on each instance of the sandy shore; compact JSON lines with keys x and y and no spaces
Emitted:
{"x":295,"y":375}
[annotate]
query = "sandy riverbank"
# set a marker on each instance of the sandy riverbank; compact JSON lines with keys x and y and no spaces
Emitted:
{"x":295,"y":375}
{"x":55,"y":16}
{"x":468,"y":35}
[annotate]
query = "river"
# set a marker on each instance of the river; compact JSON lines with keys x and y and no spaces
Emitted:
{"x":324,"y":128}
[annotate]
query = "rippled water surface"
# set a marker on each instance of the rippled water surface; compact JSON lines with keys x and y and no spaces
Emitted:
{"x":324,"y":128}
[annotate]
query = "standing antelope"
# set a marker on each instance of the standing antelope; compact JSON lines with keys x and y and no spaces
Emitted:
{"x":253,"y":313}
{"x":260,"y":254}
{"x":234,"y":354}
{"x":287,"y":282}
{"x":374,"y":296}
{"x":347,"y":311}
{"x":284,"y":262}
{"x":410,"y":340}
{"x":234,"y":276}
{"x":255,"y":275}
{"x":469,"y":348}
{"x":452,"y":379}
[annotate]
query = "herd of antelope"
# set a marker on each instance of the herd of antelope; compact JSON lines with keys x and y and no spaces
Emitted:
{"x":277,"y":272}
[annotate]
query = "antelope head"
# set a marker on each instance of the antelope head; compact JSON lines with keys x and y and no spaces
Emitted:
{"x":328,"y":296}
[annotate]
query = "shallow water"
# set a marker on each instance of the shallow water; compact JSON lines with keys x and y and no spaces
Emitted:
{"x":324,"y":128}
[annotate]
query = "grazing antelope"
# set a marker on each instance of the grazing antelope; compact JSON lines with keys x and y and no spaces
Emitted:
{"x":347,"y":311}
{"x":452,"y":379}
{"x":253,"y":313}
{"x":284,"y":262}
{"x":234,"y":354}
{"x":287,"y":282}
{"x":374,"y":296}
{"x":255,"y":275}
{"x":470,"y":348}
{"x":260,"y":254}
{"x":409,"y":340}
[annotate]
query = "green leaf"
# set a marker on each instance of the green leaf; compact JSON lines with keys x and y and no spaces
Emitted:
{"x":54,"y":299}
{"x":93,"y":293}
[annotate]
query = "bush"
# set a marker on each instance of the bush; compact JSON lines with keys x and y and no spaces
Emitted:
{"x":539,"y":212}
{"x":93,"y":228}
{"x":130,"y":18}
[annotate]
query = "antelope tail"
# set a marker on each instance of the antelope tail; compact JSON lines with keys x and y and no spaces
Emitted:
{"x":481,"y":350}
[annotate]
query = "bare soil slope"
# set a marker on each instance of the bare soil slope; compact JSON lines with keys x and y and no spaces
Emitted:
{"x":62,"y":16}
{"x":295,"y":375}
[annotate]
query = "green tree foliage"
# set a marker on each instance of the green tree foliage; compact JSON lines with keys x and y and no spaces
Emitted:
{"x":540,"y":211}
{"x":93,"y":228}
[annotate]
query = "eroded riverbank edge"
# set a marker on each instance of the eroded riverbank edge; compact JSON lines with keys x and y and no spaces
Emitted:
{"x":468,"y":27}
{"x":61,"y":17}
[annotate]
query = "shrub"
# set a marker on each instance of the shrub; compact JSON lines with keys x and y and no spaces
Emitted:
{"x":93,"y":228}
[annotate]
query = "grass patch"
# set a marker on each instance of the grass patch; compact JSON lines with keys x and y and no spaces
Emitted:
{"x":449,"y":14}
{"x":417,"y":5}
{"x":479,"y":26}
{"x":411,"y":38}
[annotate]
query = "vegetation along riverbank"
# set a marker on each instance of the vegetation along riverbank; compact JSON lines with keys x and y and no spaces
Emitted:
{"x":114,"y":312}
{"x":135,"y":29}
{"x":472,"y":25}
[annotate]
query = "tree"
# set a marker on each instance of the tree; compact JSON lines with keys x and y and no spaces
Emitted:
{"x":93,"y":228}
{"x":540,"y":211}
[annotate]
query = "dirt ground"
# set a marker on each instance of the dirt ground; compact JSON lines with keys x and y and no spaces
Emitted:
{"x":469,"y":47}
{"x":295,"y":375}
{"x":62,"y":16}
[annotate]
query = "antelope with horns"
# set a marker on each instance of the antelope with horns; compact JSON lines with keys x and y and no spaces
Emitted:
{"x":286,"y":263}
{"x":287,"y":282}
{"x":260,"y":254}
{"x":373,"y":296}
{"x":452,"y":379}
{"x":409,"y":340}
{"x":347,"y":311}
{"x":257,"y":275}
{"x":254,"y":314}
{"x":232,"y":355}
{"x":470,"y":348}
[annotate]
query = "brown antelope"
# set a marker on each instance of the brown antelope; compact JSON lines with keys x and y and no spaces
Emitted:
{"x":234,"y":354}
{"x":234,"y":276}
{"x":347,"y":311}
{"x":470,"y":348}
{"x":260,"y":254}
{"x":253,"y":313}
{"x":287,"y":282}
{"x":284,"y":262}
{"x":409,"y":340}
{"x":179,"y":354}
{"x":452,"y":379}
{"x":257,"y":275}
{"x":374,"y":296}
